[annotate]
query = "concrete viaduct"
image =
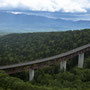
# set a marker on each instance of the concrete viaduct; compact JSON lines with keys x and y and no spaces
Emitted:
{"x":36,"y":64}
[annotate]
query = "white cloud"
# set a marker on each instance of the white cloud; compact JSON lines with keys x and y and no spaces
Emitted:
{"x":47,"y":5}
{"x":16,"y":12}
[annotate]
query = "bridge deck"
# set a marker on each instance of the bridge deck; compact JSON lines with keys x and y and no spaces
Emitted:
{"x":46,"y":59}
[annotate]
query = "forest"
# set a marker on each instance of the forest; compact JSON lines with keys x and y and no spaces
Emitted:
{"x":24,"y":47}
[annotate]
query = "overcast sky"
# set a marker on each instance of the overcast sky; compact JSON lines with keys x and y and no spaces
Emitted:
{"x":46,"y":5}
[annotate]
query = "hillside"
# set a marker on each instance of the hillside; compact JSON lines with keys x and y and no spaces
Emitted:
{"x":17,"y":48}
{"x":48,"y":79}
{"x":24,"y":47}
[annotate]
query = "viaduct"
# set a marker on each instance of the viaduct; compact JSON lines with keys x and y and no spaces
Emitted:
{"x":36,"y":64}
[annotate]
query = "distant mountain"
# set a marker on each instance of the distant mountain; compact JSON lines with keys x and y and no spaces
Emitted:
{"x":21,"y":22}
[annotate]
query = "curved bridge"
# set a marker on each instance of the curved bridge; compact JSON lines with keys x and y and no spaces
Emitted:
{"x":36,"y":64}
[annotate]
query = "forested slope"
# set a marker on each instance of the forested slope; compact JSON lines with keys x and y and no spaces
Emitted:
{"x":16,"y":48}
{"x":49,"y":79}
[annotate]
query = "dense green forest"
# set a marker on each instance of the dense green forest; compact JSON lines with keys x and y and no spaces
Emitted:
{"x":16,"y":48}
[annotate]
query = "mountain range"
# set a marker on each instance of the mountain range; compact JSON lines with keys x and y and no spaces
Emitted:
{"x":32,"y":22}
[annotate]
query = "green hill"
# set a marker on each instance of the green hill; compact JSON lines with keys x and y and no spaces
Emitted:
{"x":17,"y":48}
{"x":24,"y":47}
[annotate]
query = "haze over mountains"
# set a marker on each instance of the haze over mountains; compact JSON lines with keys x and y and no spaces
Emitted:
{"x":34,"y":21}
{"x":49,"y":15}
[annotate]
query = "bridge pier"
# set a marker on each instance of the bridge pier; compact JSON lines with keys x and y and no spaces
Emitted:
{"x":63,"y":65}
{"x":80,"y":60}
{"x":31,"y":74}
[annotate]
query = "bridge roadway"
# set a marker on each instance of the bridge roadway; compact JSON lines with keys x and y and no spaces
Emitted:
{"x":85,"y":47}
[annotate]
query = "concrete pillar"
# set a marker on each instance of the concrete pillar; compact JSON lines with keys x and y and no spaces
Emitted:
{"x":81,"y":60}
{"x":31,"y":74}
{"x":63,"y":65}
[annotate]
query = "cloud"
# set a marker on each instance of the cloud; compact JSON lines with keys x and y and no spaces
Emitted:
{"x":47,"y":5}
{"x":16,"y":12}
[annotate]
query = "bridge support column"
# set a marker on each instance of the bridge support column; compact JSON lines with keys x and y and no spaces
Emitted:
{"x":63,"y":65}
{"x":31,"y":74}
{"x":80,"y":60}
